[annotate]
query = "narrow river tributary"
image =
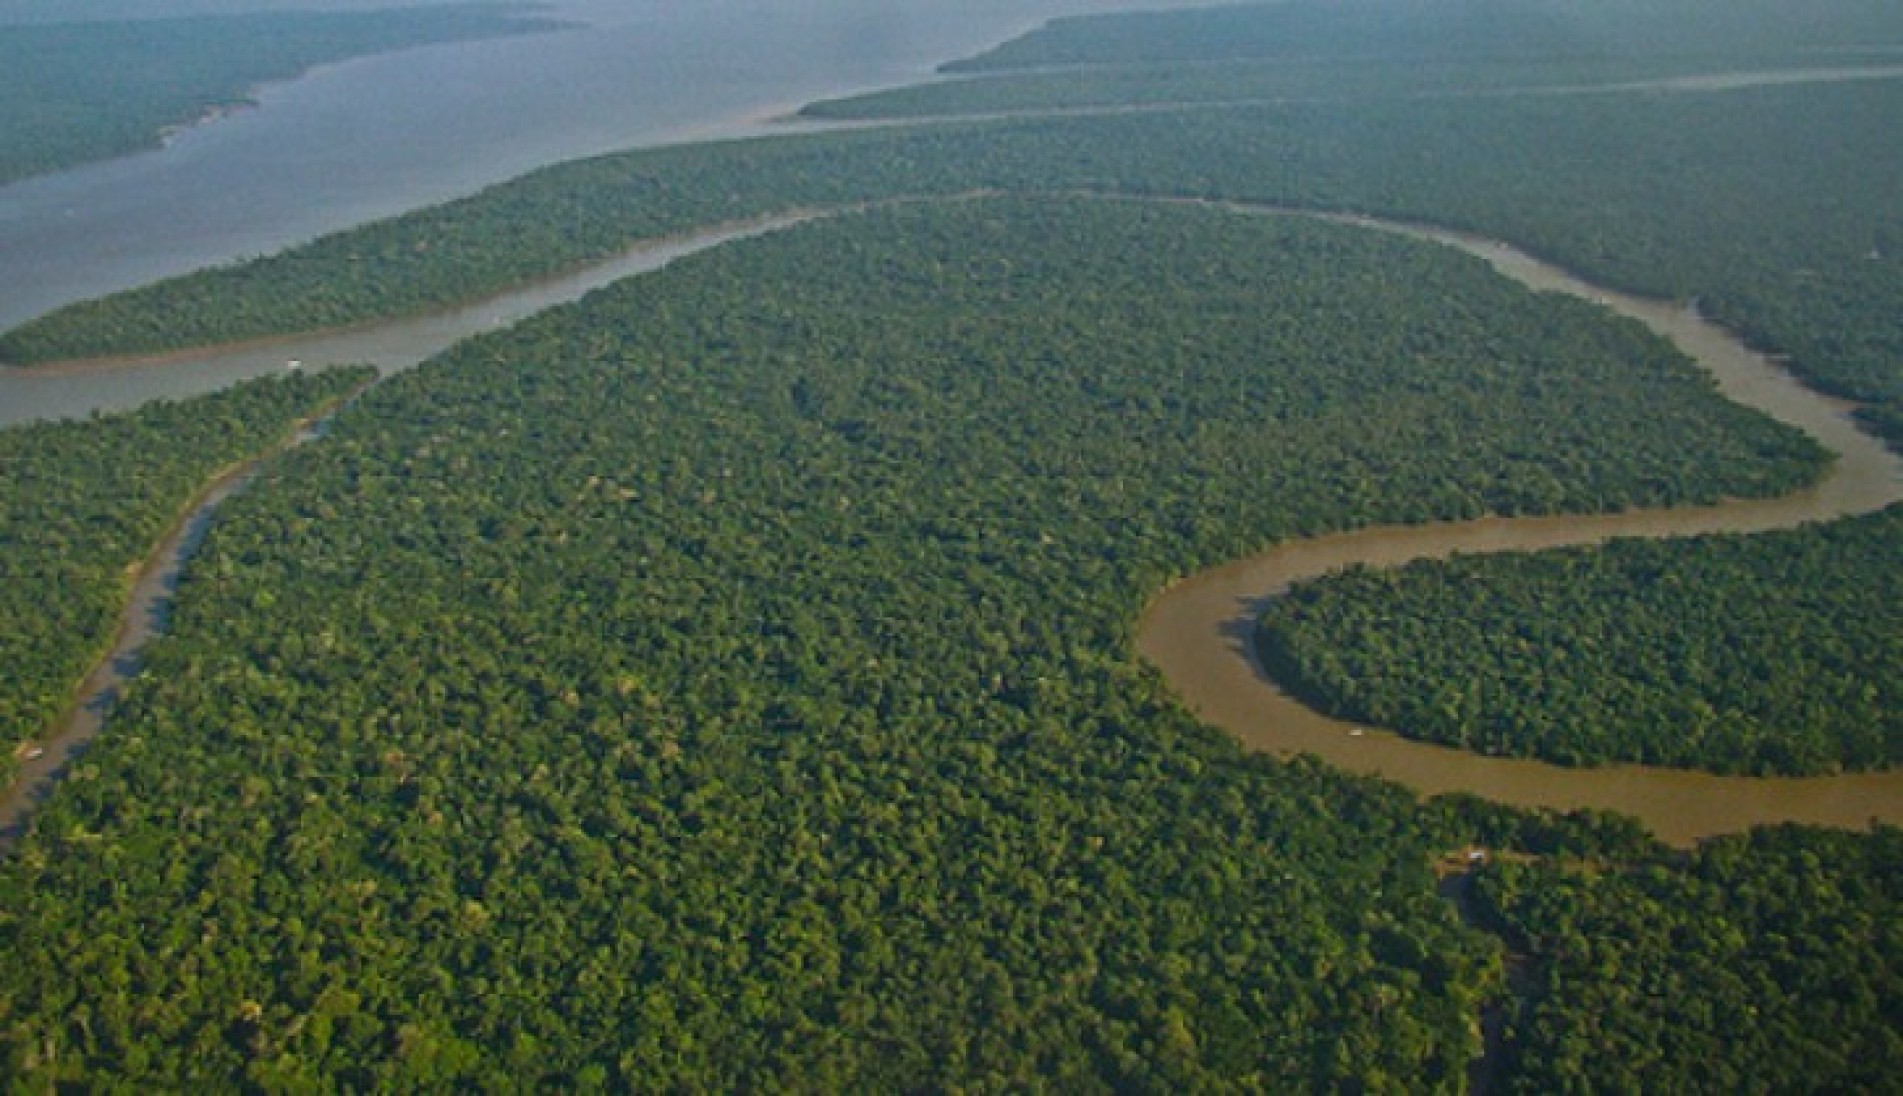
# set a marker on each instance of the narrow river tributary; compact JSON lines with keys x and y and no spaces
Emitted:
{"x":392,"y":347}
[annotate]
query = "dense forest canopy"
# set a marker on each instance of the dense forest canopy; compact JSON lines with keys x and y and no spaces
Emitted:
{"x":81,"y":505}
{"x":1767,"y":962}
{"x":1162,"y":86}
{"x":725,"y":681}
{"x":81,"y":91}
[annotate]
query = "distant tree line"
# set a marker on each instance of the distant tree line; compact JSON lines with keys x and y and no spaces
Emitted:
{"x":92,"y":90}
{"x":1710,"y":197}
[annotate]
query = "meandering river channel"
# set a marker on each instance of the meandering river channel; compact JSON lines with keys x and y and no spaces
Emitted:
{"x":1199,"y":631}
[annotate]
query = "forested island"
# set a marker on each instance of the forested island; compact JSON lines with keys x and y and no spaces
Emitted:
{"x":1475,"y":32}
{"x":83,"y":503}
{"x":83,"y":91}
{"x":726,"y":681}
{"x":1305,"y":53}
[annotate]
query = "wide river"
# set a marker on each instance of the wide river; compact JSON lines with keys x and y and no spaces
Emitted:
{"x":380,"y":135}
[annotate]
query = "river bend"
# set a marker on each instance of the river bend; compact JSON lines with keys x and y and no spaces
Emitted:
{"x":1200,"y":631}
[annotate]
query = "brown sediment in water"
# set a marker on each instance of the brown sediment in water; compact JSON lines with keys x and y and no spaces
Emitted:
{"x":1200,"y":632}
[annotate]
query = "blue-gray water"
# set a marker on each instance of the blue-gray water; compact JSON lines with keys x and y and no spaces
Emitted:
{"x":380,"y":135}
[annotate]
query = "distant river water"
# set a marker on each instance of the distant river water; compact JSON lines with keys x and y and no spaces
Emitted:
{"x":377,"y":136}
{"x":380,"y":135}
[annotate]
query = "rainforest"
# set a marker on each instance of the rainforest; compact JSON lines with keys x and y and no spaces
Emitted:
{"x":729,"y":679}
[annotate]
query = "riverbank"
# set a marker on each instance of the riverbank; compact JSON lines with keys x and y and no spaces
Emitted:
{"x":454,"y":120}
{"x":52,"y":755}
{"x":77,"y":389}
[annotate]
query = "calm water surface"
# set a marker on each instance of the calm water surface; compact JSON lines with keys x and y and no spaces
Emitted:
{"x":376,"y":136}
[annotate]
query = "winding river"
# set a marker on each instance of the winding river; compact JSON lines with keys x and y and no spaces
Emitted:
{"x":147,"y":611}
{"x":1199,"y":631}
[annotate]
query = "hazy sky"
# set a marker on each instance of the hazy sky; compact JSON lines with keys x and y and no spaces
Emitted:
{"x":40,"y":11}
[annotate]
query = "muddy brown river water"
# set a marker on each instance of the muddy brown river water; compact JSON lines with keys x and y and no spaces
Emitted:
{"x":1200,"y":631}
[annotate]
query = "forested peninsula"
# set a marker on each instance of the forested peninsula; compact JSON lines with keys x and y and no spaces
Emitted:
{"x":83,"y":91}
{"x":1774,"y":653}
{"x":83,"y":503}
{"x":727,"y":681}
